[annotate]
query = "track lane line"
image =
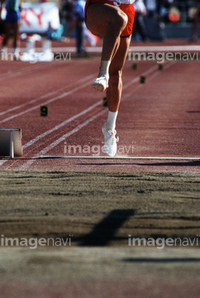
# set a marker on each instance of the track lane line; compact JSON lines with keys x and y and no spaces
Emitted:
{"x":60,"y":125}
{"x":151,"y":70}
{"x":78,"y":115}
{"x":26,"y":165}
{"x":89,"y":77}
{"x":48,"y":101}
{"x":120,"y":157}
{"x":135,"y":80}
{"x":43,"y":96}
{"x":63,"y":138}
{"x":23,"y":71}
{"x":59,"y":90}
{"x":153,"y":76}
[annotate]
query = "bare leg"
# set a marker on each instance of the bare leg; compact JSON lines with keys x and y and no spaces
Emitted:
{"x":114,"y":90}
{"x":107,"y":21}
{"x":115,"y":82}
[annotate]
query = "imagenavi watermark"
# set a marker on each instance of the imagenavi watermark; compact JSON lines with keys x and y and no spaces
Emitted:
{"x":161,"y":57}
{"x":161,"y":242}
{"x":34,"y":243}
{"x":95,"y":150}
{"x":34,"y":57}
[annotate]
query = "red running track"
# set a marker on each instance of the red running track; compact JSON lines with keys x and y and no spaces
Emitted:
{"x":160,"y":118}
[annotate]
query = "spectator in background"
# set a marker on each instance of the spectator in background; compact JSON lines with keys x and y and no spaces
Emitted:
{"x":162,"y":8}
{"x":196,"y":23}
{"x":151,"y":7}
{"x":12,"y":24}
{"x":158,"y":7}
{"x":79,"y":14}
{"x":139,"y":26}
{"x":2,"y":30}
{"x":77,"y":21}
{"x":66,"y":10}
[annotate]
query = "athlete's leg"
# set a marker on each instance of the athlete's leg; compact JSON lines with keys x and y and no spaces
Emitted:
{"x":114,"y":96}
{"x":115,"y":72}
{"x":107,"y":21}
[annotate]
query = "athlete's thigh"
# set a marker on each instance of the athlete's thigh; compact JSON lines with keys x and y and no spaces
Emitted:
{"x":99,"y":16}
{"x":121,"y":54}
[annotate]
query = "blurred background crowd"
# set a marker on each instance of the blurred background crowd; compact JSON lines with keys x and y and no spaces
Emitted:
{"x":155,"y":20}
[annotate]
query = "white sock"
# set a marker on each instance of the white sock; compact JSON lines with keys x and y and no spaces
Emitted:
{"x":111,"y":121}
{"x":104,"y":68}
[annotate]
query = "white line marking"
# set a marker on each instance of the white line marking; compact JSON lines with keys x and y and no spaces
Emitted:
{"x":80,"y":114}
{"x":59,"y":90}
{"x":136,"y":80}
{"x":60,"y":125}
{"x":50,"y":100}
{"x":45,"y":95}
{"x":24,"y":71}
{"x":164,"y":48}
{"x":179,"y":48}
{"x":74,"y":117}
{"x":28,"y":103}
{"x":120,"y":157}
{"x":153,"y":76}
{"x":61,"y":139}
{"x":167,"y":65}
{"x":37,"y":99}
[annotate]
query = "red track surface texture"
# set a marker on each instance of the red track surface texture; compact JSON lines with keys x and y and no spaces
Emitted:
{"x":160,"y":118}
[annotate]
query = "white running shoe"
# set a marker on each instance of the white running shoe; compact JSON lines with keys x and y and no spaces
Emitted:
{"x":110,"y":144}
{"x":101,"y":83}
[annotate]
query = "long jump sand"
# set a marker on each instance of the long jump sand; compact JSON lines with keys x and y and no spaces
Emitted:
{"x":91,"y":220}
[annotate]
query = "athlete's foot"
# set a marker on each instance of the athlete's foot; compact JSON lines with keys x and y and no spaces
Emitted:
{"x":101,"y":83}
{"x":110,"y":141}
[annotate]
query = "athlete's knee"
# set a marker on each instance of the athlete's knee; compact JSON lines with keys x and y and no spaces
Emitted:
{"x":122,"y":19}
{"x":119,"y":20}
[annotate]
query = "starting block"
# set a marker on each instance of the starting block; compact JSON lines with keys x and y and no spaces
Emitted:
{"x":11,"y":142}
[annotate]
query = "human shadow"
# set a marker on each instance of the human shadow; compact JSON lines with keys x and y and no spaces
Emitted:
{"x":105,"y":230}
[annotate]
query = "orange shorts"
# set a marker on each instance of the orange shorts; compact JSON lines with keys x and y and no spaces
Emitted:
{"x":128,"y":9}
